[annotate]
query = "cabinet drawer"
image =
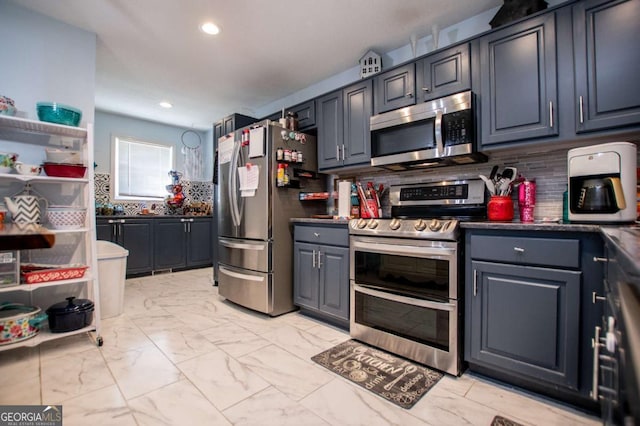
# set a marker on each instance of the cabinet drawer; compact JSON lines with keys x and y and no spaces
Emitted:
{"x":535,"y":251}
{"x":337,"y":236}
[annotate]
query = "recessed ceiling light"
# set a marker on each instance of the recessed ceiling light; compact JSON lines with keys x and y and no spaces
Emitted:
{"x":210,"y":28}
{"x":165,"y":104}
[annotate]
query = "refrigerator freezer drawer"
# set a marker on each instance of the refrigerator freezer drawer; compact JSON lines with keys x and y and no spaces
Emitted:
{"x":245,"y":254}
{"x":247,"y":288}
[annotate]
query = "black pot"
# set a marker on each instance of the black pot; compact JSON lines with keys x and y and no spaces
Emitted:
{"x":71,"y":315}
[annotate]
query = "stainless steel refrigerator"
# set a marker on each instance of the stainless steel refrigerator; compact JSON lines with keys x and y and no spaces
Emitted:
{"x":255,"y":259}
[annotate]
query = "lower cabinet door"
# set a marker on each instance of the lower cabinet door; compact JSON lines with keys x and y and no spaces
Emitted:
{"x":199,"y":243}
{"x":334,"y":281}
{"x":169,"y":246}
{"x":526,"y":320}
{"x":306,"y":275}
{"x":137,"y":237}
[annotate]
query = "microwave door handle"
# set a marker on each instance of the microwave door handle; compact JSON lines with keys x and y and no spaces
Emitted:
{"x":438,"y":132}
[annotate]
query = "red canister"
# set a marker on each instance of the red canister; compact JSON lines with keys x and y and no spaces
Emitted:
{"x":500,"y":208}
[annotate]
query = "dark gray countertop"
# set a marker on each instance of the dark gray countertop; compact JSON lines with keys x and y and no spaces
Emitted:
{"x":627,"y":241}
{"x":543,"y":226}
{"x":312,"y":220}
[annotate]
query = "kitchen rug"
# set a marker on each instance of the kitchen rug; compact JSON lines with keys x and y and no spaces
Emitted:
{"x":393,"y":378}
{"x":503,"y":421}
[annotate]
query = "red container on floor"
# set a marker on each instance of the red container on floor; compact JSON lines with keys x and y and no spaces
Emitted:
{"x":500,"y":208}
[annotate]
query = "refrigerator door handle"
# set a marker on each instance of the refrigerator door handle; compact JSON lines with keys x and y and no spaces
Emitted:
{"x":233,"y":185}
{"x":233,"y":274}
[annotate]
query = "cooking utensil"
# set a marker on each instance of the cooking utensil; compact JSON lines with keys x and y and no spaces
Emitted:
{"x":73,"y":314}
{"x":491,"y":187}
{"x":65,"y":170}
{"x":494,"y":170}
{"x":58,"y":113}
{"x":19,"y":322}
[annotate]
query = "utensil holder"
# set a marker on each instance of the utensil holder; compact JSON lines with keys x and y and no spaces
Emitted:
{"x":500,"y":208}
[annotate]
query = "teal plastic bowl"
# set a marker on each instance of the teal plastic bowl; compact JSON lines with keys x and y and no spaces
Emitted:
{"x":53,"y":112}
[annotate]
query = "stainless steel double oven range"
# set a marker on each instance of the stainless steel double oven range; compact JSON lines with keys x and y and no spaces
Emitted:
{"x":406,"y":272}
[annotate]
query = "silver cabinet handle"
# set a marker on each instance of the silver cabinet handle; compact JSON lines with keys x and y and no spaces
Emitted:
{"x":338,"y":152}
{"x":122,"y":221}
{"x":595,"y":298}
{"x":319,"y":257}
{"x":111,"y":221}
{"x":600,"y":259}
{"x":313,"y":259}
{"x":315,"y":234}
{"x":518,"y":249}
{"x":581,"y":108}
{"x":475,"y":282}
{"x":425,"y":89}
{"x":343,"y":156}
{"x":409,"y":95}
{"x":595,"y":344}
{"x":551,"y":114}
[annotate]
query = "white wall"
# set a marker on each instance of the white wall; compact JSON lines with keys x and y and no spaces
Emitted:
{"x":45,"y":60}
{"x":447,"y":36}
{"x":109,"y":125}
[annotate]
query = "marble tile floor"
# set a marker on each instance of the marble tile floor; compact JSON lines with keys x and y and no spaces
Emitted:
{"x":181,"y":355}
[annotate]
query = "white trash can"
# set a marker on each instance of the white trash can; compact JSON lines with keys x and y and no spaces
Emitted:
{"x":112,"y":271}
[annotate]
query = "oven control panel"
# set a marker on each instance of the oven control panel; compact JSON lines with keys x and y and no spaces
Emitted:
{"x":445,"y":193}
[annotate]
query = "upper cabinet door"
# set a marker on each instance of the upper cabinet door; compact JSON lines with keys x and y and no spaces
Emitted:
{"x":306,"y":114}
{"x":395,"y":88}
{"x":607,"y":63}
{"x":330,"y":130}
{"x":519,"y":82}
{"x":443,"y":73}
{"x":358,"y":104}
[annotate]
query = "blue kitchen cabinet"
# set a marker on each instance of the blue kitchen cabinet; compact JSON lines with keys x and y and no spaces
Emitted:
{"x":344,"y":138}
{"x":134,"y":234}
{"x":321,"y":272}
{"x":607,"y":64}
{"x":518,"y":82}
{"x":531,"y":308}
{"x":306,"y":114}
{"x":183,"y":242}
{"x":395,"y":88}
{"x":444,"y":73}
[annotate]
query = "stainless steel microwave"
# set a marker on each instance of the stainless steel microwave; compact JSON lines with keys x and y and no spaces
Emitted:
{"x":435,"y":133}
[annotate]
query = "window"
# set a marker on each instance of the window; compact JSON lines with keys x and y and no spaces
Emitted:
{"x":140,"y":169}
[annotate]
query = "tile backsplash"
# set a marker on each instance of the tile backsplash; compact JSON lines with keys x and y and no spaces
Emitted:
{"x":549,"y":169}
{"x":194,"y":191}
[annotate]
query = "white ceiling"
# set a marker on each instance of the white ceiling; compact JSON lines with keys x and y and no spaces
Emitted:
{"x":153,"y":50}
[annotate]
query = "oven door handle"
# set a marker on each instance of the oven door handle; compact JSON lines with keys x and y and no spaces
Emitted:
{"x":402,"y":250}
{"x":404,"y":299}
